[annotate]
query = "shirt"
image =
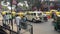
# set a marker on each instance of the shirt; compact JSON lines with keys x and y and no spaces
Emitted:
{"x":24,"y":19}
{"x":6,"y":17}
{"x":10,"y":16}
{"x":18,"y":20}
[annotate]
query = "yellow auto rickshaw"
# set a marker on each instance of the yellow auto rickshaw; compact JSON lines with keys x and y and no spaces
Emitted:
{"x":56,"y":11}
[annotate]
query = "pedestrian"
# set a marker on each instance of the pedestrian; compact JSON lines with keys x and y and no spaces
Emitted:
{"x":45,"y":17}
{"x":3,"y":21}
{"x":24,"y":22}
{"x":10,"y":18}
{"x":18,"y":23}
{"x":6,"y":17}
{"x":53,"y":14}
{"x":13,"y":17}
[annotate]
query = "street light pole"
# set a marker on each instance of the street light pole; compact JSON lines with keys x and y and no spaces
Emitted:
{"x":11,"y":5}
{"x":16,"y":5}
{"x":12,"y":18}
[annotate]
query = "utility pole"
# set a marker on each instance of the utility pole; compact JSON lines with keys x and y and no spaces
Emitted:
{"x":12,"y":18}
{"x":16,"y":5}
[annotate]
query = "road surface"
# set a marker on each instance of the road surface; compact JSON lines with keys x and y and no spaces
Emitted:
{"x":44,"y":28}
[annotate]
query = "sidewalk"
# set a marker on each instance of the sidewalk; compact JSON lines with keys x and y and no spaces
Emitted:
{"x":14,"y":28}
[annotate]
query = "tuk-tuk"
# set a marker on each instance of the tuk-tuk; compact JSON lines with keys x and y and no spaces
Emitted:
{"x":57,"y":23}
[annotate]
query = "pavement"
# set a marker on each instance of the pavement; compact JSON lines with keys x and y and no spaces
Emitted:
{"x":23,"y":31}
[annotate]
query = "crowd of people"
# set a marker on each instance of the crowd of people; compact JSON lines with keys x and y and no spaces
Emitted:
{"x":21,"y":22}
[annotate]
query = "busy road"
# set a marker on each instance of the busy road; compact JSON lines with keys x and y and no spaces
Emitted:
{"x":30,"y":16}
{"x":44,"y":28}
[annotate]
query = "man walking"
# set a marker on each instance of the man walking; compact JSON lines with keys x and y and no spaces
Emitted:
{"x":24,"y":23}
{"x":18,"y":23}
{"x":6,"y":19}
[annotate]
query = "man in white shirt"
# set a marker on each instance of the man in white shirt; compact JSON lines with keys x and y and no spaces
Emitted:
{"x":45,"y":17}
{"x":18,"y":23}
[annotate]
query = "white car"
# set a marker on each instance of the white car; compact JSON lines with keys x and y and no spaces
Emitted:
{"x":35,"y":16}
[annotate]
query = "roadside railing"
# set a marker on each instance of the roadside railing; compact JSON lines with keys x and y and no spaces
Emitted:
{"x":11,"y":31}
{"x":7,"y":27}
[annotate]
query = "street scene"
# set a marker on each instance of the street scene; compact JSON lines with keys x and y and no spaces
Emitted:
{"x":44,"y":28}
{"x":29,"y":16}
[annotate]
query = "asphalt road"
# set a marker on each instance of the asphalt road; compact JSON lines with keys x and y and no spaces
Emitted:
{"x":44,"y":28}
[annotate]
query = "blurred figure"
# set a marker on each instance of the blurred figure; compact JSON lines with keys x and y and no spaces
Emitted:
{"x":24,"y":23}
{"x":45,"y":17}
{"x":53,"y":14}
{"x":6,"y":18}
{"x":54,"y":18}
{"x":18,"y":23}
{"x":10,"y":18}
{"x":3,"y":15}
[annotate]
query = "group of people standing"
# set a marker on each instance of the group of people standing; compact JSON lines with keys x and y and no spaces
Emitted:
{"x":21,"y":22}
{"x":7,"y":18}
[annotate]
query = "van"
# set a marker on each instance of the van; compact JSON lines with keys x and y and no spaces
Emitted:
{"x":34,"y":16}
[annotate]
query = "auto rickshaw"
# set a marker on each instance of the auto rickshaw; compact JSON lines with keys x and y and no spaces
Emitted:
{"x":57,"y":23}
